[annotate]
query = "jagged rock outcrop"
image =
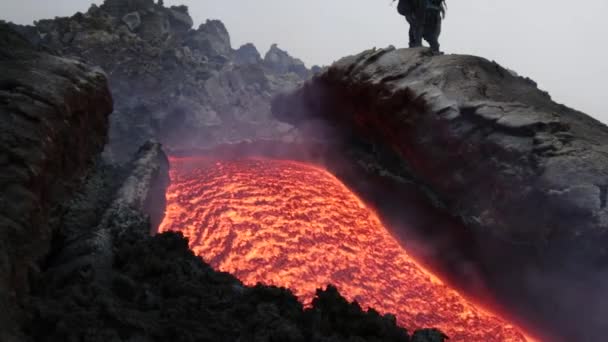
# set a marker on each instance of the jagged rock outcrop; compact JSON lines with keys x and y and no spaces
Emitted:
{"x":247,"y":54}
{"x":281,"y":62}
{"x":211,"y":39}
{"x":525,"y":175}
{"x":132,"y":20}
{"x":137,"y":199}
{"x":179,"y":18}
{"x":118,"y":8}
{"x":186,"y":88}
{"x":54,"y":119}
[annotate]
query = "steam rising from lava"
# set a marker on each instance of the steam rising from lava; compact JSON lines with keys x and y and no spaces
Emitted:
{"x":295,"y":225}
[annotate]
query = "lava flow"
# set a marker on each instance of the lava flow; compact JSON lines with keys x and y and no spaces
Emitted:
{"x":295,"y":225}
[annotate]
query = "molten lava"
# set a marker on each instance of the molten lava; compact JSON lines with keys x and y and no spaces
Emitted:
{"x":294,"y":225}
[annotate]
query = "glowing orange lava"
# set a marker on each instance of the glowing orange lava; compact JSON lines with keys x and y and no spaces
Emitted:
{"x":295,"y":225}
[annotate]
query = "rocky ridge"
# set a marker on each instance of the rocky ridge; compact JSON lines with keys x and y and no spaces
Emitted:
{"x":524,"y":175}
{"x":187,"y":88}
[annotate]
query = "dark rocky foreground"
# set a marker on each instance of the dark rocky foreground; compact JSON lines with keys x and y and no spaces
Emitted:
{"x":78,"y":262}
{"x":187,"y":88}
{"x":525,"y":176}
{"x":53,"y":120}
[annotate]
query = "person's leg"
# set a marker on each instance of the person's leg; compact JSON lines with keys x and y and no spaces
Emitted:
{"x":433,"y":41}
{"x":432,"y":31}
{"x":415,"y":33}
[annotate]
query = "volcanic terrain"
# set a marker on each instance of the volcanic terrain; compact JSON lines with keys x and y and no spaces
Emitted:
{"x":295,"y":225}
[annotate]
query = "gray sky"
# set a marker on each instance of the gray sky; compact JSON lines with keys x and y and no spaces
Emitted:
{"x":561,"y":44}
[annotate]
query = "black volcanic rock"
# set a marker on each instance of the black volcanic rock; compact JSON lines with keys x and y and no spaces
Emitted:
{"x":158,"y":290}
{"x":525,"y":175}
{"x":54,"y":119}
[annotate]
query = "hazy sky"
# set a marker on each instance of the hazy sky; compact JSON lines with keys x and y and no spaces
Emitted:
{"x":561,"y":44}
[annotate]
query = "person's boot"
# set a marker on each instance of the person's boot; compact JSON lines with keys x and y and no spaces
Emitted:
{"x":435,"y":48}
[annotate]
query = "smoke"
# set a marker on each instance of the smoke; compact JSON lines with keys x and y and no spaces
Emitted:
{"x":435,"y":238}
{"x":569,"y":300}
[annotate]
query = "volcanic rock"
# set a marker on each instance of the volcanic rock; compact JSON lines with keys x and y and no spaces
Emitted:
{"x":428,"y":335}
{"x":157,"y":290}
{"x":185,"y":88}
{"x":526,"y":176}
{"x":118,"y":8}
{"x":155,"y":26}
{"x":247,"y":54}
{"x":281,"y":62}
{"x":54,"y":121}
{"x":211,"y":39}
{"x":132,"y":197}
{"x":180,"y":18}
{"x":132,"y":20}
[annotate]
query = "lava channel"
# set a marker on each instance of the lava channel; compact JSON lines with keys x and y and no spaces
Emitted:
{"x":295,"y":225}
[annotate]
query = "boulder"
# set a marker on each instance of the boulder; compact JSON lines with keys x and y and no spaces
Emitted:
{"x":525,"y":176}
{"x":138,"y":200}
{"x":132,"y":20}
{"x":429,"y":335}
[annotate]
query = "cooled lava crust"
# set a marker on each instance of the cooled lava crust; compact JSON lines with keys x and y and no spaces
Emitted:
{"x":295,"y":225}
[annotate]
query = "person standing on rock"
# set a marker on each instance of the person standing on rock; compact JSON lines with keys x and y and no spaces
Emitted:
{"x":424,"y":17}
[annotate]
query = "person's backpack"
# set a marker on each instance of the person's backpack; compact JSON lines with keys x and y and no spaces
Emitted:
{"x":404,"y":7}
{"x":434,"y":5}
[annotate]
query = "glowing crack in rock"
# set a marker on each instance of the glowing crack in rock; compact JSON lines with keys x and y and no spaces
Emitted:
{"x":295,"y":225}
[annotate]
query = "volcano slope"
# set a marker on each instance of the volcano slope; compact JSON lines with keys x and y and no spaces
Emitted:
{"x":526,"y":176}
{"x":77,"y":260}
